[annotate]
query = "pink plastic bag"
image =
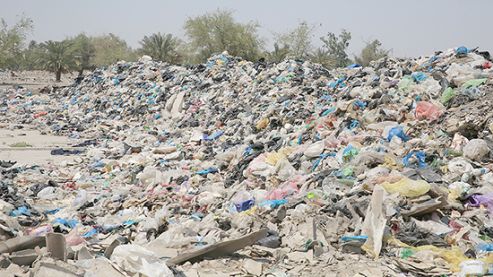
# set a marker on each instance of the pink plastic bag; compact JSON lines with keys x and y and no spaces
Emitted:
{"x":428,"y":111}
{"x":288,"y":188}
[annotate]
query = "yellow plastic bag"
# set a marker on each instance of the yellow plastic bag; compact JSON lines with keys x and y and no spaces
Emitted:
{"x":407,"y":187}
{"x":262,"y":123}
{"x":453,"y":256}
{"x":273,"y":157}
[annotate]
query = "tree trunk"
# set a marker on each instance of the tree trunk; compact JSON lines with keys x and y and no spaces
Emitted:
{"x":81,"y":72}
{"x":58,"y":75}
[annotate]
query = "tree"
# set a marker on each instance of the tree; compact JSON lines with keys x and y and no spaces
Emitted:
{"x":278,"y":54}
{"x":216,"y":32}
{"x":321,"y":56}
{"x":373,"y":51}
{"x":336,"y":47}
{"x":84,"y":52}
{"x":30,"y":57}
{"x":12,"y":41}
{"x":109,"y":49}
{"x":298,"y":41}
{"x":58,"y":57}
{"x":161,"y":47}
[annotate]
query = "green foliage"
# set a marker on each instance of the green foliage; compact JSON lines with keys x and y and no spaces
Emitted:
{"x":208,"y":34}
{"x":336,"y":47}
{"x":58,"y":57}
{"x":12,"y":41}
{"x":278,"y":54}
{"x":83,"y":51}
{"x":161,"y":47}
{"x":297,"y":41}
{"x":110,"y":49}
{"x":216,"y":32}
{"x":321,"y":56}
{"x":30,"y":58}
{"x":372,"y":52}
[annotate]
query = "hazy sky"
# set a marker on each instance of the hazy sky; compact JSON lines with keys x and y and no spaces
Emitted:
{"x":409,"y":28}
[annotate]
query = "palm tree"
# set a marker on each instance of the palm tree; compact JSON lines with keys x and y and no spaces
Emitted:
{"x":161,"y":47}
{"x":322,"y":57}
{"x":58,"y":57}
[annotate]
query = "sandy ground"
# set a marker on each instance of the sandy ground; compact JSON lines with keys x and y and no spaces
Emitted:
{"x":36,"y":149}
{"x":33,"y":80}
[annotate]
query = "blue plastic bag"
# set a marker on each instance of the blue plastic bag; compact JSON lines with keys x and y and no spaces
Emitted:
{"x":349,"y":152}
{"x":360,"y":104}
{"x":322,"y":157}
{"x":354,"y":65}
{"x":339,"y":83}
{"x":352,"y":238}
{"x":419,"y":77}
{"x":214,"y":136}
{"x":461,"y":50}
{"x":354,"y":124}
{"x":71,"y":223}
{"x":420,"y":157}
{"x":22,"y":210}
{"x":91,"y":233}
{"x":273,"y":203}
{"x":207,"y":171}
{"x":328,"y":111}
{"x":397,"y":131}
{"x":484,"y":247}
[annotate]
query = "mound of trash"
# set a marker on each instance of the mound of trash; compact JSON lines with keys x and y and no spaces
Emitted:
{"x":256,"y":169}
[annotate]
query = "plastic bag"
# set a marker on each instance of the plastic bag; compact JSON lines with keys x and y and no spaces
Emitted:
{"x":428,"y":111}
{"x":447,"y":95}
{"x":419,"y":77}
{"x":420,"y":158}
{"x":461,"y":50}
{"x":397,"y":131}
{"x":477,"y":200}
{"x":407,"y":187}
{"x":349,"y":153}
{"x":405,"y":83}
{"x":374,"y":224}
{"x":473,"y":83}
{"x":315,"y":149}
{"x":476,"y":149}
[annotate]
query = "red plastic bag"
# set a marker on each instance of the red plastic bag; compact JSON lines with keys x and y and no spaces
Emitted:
{"x":40,"y":114}
{"x":428,"y":111}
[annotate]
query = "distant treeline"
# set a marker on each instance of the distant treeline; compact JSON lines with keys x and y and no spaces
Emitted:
{"x":206,"y":35}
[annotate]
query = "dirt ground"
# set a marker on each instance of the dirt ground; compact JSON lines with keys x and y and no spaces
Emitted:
{"x":34,"y":80}
{"x":30,"y":147}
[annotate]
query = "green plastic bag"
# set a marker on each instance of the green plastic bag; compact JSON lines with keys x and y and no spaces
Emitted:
{"x":447,"y":95}
{"x":405,"y":83}
{"x":473,"y":83}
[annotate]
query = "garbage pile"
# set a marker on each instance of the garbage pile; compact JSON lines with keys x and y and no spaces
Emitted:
{"x":234,"y":168}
